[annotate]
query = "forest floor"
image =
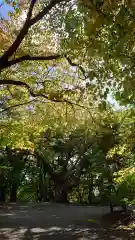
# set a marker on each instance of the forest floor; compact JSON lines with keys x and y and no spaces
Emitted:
{"x":38,"y":221}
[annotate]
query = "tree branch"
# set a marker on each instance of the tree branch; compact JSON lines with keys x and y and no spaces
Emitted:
{"x":45,"y":10}
{"x":77,"y":65}
{"x":44,"y":58}
{"x":12,"y":49}
{"x":43,"y":95}
{"x":23,"y":84}
{"x":13,"y":82}
{"x":22,"y":104}
{"x":17,"y":105}
{"x":31,"y":58}
{"x":23,"y":32}
{"x":46,"y":96}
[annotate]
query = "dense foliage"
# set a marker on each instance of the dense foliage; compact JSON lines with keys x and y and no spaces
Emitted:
{"x":63,"y":64}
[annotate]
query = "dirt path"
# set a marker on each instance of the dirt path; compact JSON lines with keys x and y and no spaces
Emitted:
{"x":55,"y":221}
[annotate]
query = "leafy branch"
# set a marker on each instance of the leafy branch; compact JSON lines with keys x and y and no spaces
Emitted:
{"x":29,"y":22}
{"x":43,"y":95}
{"x":21,"y":104}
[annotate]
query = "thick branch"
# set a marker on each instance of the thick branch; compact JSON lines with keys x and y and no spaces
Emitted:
{"x":13,"y":82}
{"x":44,"y":58}
{"x":12,"y":49}
{"x":31,"y":58}
{"x":45,"y":10}
{"x":23,"y":32}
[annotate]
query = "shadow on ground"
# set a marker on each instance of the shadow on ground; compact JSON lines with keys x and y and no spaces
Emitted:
{"x":55,"y":221}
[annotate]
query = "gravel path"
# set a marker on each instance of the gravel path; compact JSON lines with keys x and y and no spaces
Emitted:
{"x":55,"y":221}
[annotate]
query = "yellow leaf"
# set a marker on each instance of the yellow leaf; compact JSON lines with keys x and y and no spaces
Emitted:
{"x":92,"y":220}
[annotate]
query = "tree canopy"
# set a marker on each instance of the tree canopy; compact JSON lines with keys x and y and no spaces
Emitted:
{"x":86,"y":43}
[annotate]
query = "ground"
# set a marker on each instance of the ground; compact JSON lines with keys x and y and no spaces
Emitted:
{"x":38,"y":221}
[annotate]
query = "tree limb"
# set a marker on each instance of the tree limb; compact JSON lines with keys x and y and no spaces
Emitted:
{"x":24,"y":103}
{"x":23,"y":84}
{"x":45,"y":10}
{"x":77,"y":65}
{"x":31,"y":58}
{"x":23,"y":32}
{"x":46,"y":96}
{"x":21,"y":104}
{"x":44,"y":58}
{"x":12,"y":49}
{"x":13,"y":82}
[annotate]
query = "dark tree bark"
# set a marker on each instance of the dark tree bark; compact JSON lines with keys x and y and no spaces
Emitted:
{"x":80,"y":200}
{"x":13,"y":192}
{"x":40,"y":182}
{"x":90,"y":194}
{"x":111,"y":207}
{"x":61,"y":194}
{"x":2,"y":194}
{"x":124,"y":207}
{"x":45,"y":187}
{"x":40,"y":192}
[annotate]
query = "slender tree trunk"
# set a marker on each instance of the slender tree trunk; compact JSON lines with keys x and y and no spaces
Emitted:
{"x":2,"y":194}
{"x":45,"y":189}
{"x":79,"y":195}
{"x":13,"y":192}
{"x":111,"y":207}
{"x":39,"y":182}
{"x":124,"y":207}
{"x":41,"y":188}
{"x":90,"y":194}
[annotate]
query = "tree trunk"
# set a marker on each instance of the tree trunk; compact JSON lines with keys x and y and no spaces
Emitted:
{"x":61,"y":194}
{"x":2,"y":194}
{"x":79,"y":199}
{"x":124,"y":207}
{"x":45,"y":188}
{"x":13,"y":193}
{"x":41,"y":189}
{"x":111,"y":207}
{"x":90,"y":194}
